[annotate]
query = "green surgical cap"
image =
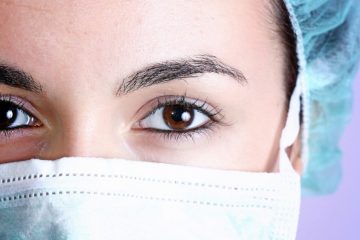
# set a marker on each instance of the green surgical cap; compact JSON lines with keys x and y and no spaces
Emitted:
{"x":328,"y":48}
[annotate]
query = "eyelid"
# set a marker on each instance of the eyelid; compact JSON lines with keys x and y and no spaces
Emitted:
{"x":214,"y":113}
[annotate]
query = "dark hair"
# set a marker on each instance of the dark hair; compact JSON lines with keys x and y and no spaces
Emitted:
{"x":288,"y":39}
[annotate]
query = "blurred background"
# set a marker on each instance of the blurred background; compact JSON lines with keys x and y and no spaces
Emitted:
{"x":337,"y":216}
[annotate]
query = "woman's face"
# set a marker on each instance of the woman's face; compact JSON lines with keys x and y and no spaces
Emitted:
{"x":185,"y":82}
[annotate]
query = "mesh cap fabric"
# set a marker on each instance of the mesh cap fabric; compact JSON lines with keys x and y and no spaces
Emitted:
{"x":328,"y":40}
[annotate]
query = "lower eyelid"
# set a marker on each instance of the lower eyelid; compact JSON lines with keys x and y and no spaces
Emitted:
{"x":192,"y":134}
{"x":19,"y":131}
{"x":13,"y":133}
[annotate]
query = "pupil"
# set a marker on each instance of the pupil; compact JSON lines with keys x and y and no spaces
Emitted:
{"x":178,"y":117}
{"x":8,"y":114}
{"x":176,"y":114}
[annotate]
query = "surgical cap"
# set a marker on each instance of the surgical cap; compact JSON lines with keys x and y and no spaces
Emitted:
{"x":328,"y":50}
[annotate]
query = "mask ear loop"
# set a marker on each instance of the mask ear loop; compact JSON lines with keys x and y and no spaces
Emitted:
{"x":291,"y":130}
{"x":292,"y":127}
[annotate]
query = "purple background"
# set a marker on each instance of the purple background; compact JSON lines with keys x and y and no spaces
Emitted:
{"x":338,"y":216}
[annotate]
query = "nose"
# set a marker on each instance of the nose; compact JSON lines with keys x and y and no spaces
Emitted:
{"x":88,"y":134}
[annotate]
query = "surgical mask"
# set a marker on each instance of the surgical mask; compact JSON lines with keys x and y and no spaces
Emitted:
{"x":88,"y":198}
{"x":94,"y":198}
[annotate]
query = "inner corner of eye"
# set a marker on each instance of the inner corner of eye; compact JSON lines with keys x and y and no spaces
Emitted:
{"x":137,"y":125}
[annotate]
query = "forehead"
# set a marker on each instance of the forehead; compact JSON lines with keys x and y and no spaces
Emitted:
{"x":93,"y":33}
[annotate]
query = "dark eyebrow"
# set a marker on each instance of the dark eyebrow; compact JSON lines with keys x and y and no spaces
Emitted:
{"x":178,"y":69}
{"x":17,"y":78}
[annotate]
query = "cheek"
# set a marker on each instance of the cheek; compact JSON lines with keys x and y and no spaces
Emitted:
{"x":20,"y":146}
{"x":243,"y":147}
{"x":261,"y":136}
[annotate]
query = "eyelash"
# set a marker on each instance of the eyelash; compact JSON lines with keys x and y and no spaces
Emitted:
{"x":184,"y":135}
{"x":11,"y":100}
{"x":9,"y":132}
{"x":215,"y":115}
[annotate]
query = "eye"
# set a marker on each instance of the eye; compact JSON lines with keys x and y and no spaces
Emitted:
{"x":175,"y":117}
{"x":179,"y":114}
{"x":13,"y":116}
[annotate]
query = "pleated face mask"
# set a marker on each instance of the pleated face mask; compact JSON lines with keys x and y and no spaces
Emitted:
{"x":95,"y":198}
{"x":88,"y":198}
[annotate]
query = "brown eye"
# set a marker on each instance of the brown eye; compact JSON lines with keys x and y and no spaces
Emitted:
{"x":12,"y":116}
{"x":178,"y":117}
{"x":8,"y":114}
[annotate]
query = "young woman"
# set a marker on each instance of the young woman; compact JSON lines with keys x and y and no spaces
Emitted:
{"x":204,"y":98}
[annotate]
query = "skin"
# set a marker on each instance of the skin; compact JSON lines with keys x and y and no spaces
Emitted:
{"x":79,"y":51}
